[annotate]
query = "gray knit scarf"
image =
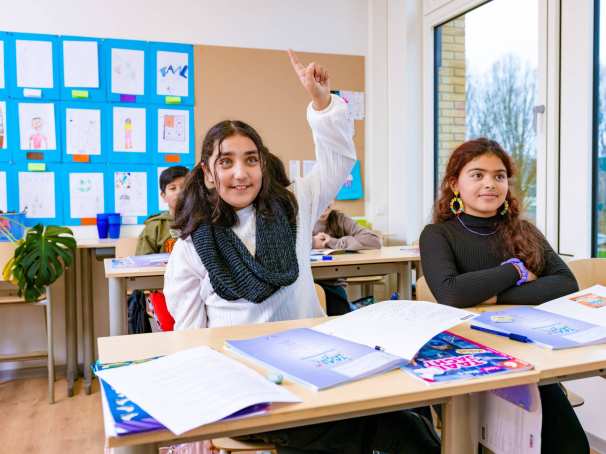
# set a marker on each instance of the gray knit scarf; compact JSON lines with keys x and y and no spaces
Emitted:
{"x":235,"y":273}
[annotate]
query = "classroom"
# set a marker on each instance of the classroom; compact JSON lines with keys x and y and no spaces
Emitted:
{"x":226,"y":179}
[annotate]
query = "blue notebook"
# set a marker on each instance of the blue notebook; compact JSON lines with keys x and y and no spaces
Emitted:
{"x":540,"y":327}
{"x":315,"y":359}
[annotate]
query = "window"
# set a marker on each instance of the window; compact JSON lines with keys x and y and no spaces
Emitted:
{"x":486,"y":84}
{"x":599,"y":135}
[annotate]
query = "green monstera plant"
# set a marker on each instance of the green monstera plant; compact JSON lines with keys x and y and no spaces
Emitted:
{"x":40,"y":259}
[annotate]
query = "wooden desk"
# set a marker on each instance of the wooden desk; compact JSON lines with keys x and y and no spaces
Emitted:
{"x":383,"y":393}
{"x":391,"y":259}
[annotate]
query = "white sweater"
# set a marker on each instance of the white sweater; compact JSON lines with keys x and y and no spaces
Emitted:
{"x":190,"y":296}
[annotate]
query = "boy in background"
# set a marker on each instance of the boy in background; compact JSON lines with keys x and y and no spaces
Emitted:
{"x":157,"y":235}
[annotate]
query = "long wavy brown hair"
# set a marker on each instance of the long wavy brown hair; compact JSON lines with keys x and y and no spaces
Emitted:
{"x":198,"y":204}
{"x":519,"y":238}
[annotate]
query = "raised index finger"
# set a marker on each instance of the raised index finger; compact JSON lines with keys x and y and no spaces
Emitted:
{"x":294,"y":61}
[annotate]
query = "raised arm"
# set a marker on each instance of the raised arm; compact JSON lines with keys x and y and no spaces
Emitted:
{"x":335,"y":152}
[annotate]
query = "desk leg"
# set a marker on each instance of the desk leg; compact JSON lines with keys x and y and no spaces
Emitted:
{"x":404,"y":281}
{"x":87,"y":317}
{"x":71,"y":345}
{"x":151,"y":448}
{"x":117,"y":307}
{"x":459,"y":428}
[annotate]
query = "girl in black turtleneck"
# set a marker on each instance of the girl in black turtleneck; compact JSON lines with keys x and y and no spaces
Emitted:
{"x":479,"y":250}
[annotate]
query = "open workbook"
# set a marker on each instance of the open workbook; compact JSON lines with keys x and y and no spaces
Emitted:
{"x":183,"y":391}
{"x":369,"y":341}
{"x":574,"y":320}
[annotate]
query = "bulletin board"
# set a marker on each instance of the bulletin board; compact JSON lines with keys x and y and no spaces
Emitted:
{"x":259,"y":87}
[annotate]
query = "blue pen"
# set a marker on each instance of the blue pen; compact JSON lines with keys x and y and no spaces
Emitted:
{"x":512,"y":336}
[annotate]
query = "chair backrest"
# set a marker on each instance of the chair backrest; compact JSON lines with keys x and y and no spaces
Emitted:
{"x":321,"y":297}
{"x":125,"y":247}
{"x":423,"y":292}
{"x":588,"y":272}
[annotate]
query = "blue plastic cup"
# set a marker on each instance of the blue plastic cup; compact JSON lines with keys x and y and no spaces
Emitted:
{"x":102,"y":224}
{"x":114,"y":225}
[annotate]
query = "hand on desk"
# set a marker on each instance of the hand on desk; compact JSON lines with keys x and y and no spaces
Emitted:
{"x":320,"y":240}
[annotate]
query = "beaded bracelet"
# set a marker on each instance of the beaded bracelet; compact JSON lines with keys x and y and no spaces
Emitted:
{"x":523,"y":272}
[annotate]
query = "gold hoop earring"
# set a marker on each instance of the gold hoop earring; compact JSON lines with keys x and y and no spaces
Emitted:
{"x":456,"y":200}
{"x":505,"y":208}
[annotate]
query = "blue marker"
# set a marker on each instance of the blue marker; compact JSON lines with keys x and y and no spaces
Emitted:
{"x":327,"y":257}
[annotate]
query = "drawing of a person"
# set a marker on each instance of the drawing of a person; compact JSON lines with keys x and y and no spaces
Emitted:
{"x":37,"y":140}
{"x":128,"y":133}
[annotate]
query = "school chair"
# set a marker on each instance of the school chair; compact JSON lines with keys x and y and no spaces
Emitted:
{"x":588,"y":272}
{"x":125,"y":247}
{"x":321,"y":296}
{"x":9,"y":298}
{"x":229,"y":445}
{"x":367,"y":284}
{"x":422,"y":291}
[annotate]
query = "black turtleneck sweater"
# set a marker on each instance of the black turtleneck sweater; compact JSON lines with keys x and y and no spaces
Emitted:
{"x":464,"y":269}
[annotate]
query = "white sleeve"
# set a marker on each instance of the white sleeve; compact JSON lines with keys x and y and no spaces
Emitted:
{"x":335,"y":157}
{"x":183,"y":280}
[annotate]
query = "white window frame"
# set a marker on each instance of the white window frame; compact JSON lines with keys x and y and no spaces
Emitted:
{"x":437,"y":12}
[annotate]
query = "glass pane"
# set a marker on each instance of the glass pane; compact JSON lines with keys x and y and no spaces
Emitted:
{"x":486,"y":86}
{"x":600,"y":139}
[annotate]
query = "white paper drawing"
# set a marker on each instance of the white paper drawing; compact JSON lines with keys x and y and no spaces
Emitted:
{"x":37,"y":194}
{"x":172,"y":73}
{"x":128,"y":71}
{"x":355,"y":103}
{"x":3,"y":193}
{"x":81,"y":64}
{"x":130,"y":193}
{"x":85,"y":195}
{"x":83,"y":131}
{"x":2,"y":64}
{"x":129,"y":129}
{"x":173,"y":131}
{"x":3,"y":129}
{"x":162,"y":205}
{"x":37,"y":126}
{"x":34,"y":63}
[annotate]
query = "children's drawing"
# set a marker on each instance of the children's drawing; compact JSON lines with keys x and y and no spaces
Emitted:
{"x":37,"y":194}
{"x":128,"y":133}
{"x":172,"y":73}
{"x":2,"y":64}
{"x":85,"y":195}
{"x":34,"y":63}
{"x":3,"y":193}
{"x":37,"y":126}
{"x":352,"y":188}
{"x":173,"y":131}
{"x":3,"y":142}
{"x":83,"y":131}
{"x":129,"y":129}
{"x":81,"y":64}
{"x":130,"y":193}
{"x":128,"y":71}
